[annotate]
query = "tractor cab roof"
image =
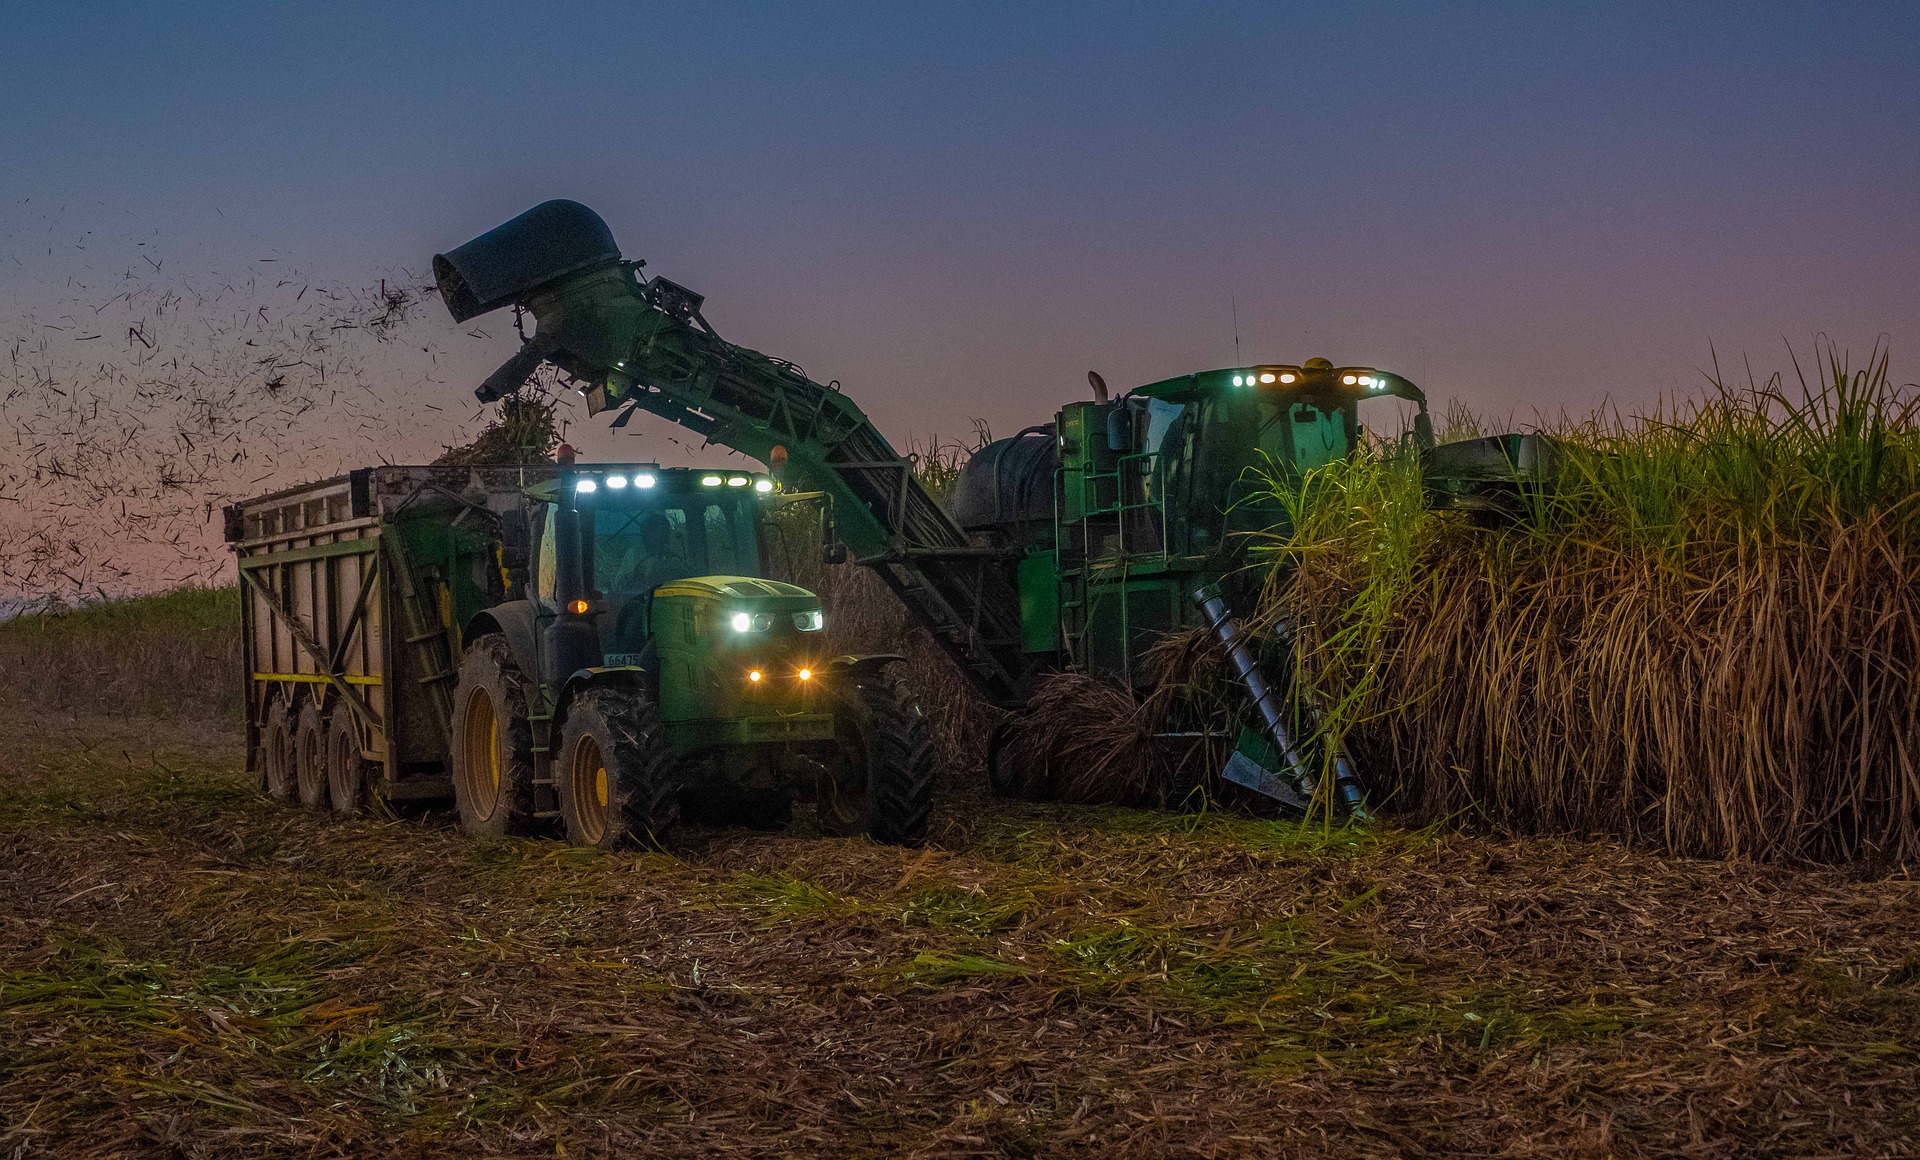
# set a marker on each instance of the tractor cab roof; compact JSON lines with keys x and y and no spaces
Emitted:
{"x":631,"y":479}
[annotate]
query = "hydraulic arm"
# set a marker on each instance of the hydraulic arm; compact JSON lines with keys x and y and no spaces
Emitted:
{"x":632,"y":342}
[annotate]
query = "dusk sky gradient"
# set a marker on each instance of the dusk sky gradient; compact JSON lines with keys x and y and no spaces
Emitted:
{"x":957,"y":210}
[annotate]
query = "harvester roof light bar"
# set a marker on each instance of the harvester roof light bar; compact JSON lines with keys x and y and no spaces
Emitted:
{"x":763,"y":486}
{"x":711,"y":481}
{"x":585,"y":486}
{"x":1283,"y":375}
{"x":737,"y":481}
{"x":616,"y":482}
{"x":644,"y":480}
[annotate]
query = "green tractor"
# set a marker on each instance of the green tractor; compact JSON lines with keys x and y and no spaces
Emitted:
{"x":649,"y":669}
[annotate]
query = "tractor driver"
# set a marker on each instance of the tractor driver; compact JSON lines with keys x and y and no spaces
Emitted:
{"x":652,"y":558}
{"x":640,"y":556}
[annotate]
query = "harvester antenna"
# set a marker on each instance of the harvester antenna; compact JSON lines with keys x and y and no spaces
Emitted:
{"x":1236,"y":330}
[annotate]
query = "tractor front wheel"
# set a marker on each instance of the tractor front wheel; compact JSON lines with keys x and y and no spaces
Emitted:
{"x":492,"y":743}
{"x":615,"y":772}
{"x":880,"y":778}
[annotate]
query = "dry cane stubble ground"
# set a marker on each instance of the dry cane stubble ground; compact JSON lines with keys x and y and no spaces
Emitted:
{"x":186,"y":968}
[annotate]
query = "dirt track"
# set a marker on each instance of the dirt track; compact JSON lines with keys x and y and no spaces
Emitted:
{"x":187,"y":969}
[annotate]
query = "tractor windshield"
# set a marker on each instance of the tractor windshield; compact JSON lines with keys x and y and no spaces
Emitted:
{"x":648,"y":538}
{"x":637,"y":548}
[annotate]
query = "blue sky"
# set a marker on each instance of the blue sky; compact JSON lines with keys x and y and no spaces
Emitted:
{"x":957,"y":210}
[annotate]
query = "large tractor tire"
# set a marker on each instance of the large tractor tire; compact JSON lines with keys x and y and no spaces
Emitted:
{"x":615,"y":774}
{"x":276,"y":750}
{"x":880,"y":780}
{"x":492,"y":743}
{"x":346,"y":769}
{"x":310,"y":755}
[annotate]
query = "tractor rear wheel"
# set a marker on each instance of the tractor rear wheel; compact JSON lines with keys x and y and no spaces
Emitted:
{"x":492,"y":743}
{"x":880,"y":779}
{"x":276,"y":749}
{"x":346,"y":769}
{"x":310,"y":755}
{"x":615,"y":774}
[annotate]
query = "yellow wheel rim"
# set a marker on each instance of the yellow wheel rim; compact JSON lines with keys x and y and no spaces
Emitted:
{"x":482,"y":771}
{"x":588,"y":787}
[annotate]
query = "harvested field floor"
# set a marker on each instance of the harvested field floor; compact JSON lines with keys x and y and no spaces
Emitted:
{"x":188,"y":969}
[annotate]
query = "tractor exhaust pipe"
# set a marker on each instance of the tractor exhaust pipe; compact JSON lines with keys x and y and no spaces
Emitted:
{"x":1212,"y":604}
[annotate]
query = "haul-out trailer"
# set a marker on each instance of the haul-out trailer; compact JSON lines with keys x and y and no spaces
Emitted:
{"x":1071,"y":545}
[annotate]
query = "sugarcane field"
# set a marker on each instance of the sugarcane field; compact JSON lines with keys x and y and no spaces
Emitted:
{"x":1065,"y":580}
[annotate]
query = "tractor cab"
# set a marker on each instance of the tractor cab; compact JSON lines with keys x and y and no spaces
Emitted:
{"x":658,"y":571}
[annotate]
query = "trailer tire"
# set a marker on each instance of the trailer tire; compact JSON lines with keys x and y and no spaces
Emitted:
{"x":615,"y":774}
{"x":492,"y":756}
{"x":346,"y":769}
{"x":881,"y":780}
{"x":310,"y":755}
{"x":276,"y":749}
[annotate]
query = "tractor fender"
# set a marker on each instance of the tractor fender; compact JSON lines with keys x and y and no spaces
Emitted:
{"x":514,"y":620}
{"x":865,"y":665}
{"x":597,"y":678}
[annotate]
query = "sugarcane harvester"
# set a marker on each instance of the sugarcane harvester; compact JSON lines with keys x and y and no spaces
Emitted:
{"x":1074,"y":544}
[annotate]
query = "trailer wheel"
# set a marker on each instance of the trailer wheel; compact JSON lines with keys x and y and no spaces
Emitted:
{"x":276,"y":749}
{"x":615,"y":773}
{"x":346,"y":769}
{"x":492,"y":743}
{"x":310,"y":755}
{"x":880,"y":780}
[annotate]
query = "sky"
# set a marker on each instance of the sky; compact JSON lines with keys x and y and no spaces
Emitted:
{"x":958,"y":210}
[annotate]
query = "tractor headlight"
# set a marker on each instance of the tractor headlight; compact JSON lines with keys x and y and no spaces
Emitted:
{"x":751,"y":621}
{"x":810,"y":621}
{"x":742,"y":622}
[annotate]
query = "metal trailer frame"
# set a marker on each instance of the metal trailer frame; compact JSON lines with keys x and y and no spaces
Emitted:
{"x":333,"y":606}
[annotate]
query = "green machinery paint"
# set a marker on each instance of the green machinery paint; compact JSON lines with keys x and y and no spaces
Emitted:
{"x":1070,"y":545}
{"x":587,"y":643}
